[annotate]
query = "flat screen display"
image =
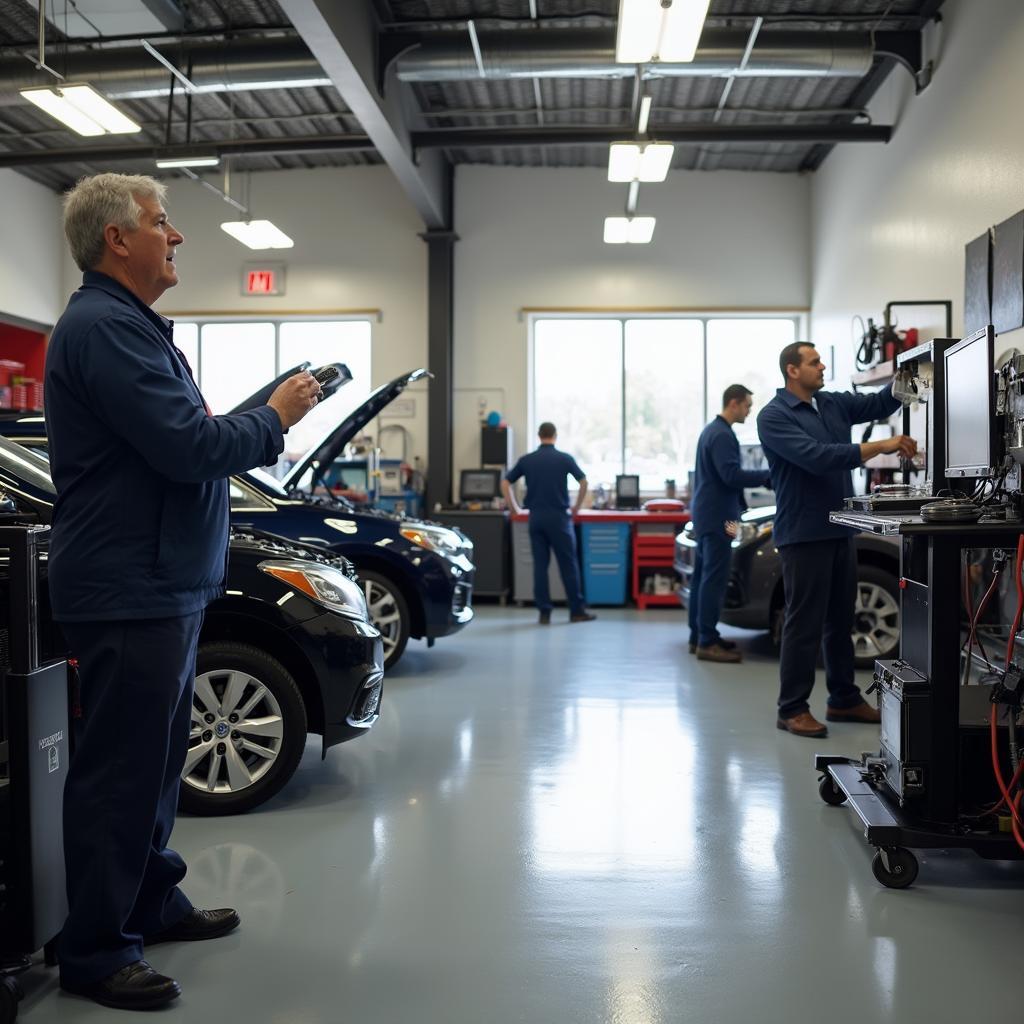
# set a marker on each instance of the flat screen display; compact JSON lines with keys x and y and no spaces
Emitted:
{"x":970,"y":406}
{"x":627,"y":490}
{"x":479,"y":484}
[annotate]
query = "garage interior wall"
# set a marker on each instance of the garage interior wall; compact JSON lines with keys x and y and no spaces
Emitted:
{"x":891,"y":222}
{"x":532,"y":237}
{"x":31,"y":284}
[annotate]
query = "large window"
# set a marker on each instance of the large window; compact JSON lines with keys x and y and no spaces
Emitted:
{"x":631,"y":395}
{"x":233,"y":359}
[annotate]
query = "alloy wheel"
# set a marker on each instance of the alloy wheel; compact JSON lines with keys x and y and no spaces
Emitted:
{"x":385,"y":614}
{"x":876,"y":621}
{"x":236,"y":735}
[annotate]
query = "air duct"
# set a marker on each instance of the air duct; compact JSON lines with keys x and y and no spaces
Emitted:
{"x":590,"y":53}
{"x":124,"y":73}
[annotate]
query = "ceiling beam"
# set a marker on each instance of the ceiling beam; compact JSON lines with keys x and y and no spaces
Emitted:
{"x":504,"y":138}
{"x":343,"y":38}
{"x":283,"y":146}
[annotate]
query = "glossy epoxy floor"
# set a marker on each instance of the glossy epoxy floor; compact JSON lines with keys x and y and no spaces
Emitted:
{"x":576,"y":824}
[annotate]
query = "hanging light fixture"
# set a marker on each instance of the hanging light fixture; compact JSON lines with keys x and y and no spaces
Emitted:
{"x":631,"y":230}
{"x":257,"y":234}
{"x":630,"y":161}
{"x":82,"y":109}
{"x":659,"y":30}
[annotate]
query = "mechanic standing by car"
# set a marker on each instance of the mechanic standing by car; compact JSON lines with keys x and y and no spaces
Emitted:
{"x":717,"y":504}
{"x":551,"y":526}
{"x":805,"y":434}
{"x":138,"y":549}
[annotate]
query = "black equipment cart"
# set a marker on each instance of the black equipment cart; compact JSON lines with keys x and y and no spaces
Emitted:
{"x":34,"y":751}
{"x":923,"y":787}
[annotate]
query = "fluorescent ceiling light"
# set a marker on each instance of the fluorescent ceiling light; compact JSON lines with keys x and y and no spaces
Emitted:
{"x":257,"y":234}
{"x":635,"y":230}
{"x":215,"y":87}
{"x":629,"y":161}
{"x":651,"y":30}
{"x":82,"y":109}
{"x":189,"y":161}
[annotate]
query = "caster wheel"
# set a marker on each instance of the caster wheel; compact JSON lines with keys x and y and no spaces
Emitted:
{"x":830,"y":792}
{"x":10,"y":993}
{"x":899,"y":872}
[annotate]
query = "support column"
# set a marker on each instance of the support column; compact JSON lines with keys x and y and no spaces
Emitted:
{"x":440,"y":357}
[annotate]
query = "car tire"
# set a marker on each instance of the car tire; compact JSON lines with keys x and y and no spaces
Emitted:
{"x":389,"y":613}
{"x":254,"y":761}
{"x":876,"y":613}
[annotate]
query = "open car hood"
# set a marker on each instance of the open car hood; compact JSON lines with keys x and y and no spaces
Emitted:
{"x":330,"y":446}
{"x":263,"y":395}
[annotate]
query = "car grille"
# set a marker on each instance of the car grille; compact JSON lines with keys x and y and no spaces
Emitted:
{"x":368,"y":702}
{"x":461,"y":598}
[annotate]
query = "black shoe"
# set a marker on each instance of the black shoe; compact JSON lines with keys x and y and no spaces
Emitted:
{"x":582,"y":617}
{"x":134,"y":987}
{"x":544,"y":618}
{"x":693,"y":647}
{"x":197,"y":925}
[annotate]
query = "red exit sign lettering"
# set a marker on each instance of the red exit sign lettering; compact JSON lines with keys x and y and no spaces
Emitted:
{"x":263,"y":279}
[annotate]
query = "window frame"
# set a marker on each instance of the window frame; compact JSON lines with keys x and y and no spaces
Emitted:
{"x":276,"y":322}
{"x":798,"y":317}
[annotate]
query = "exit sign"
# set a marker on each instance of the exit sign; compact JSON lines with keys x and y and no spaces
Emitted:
{"x":263,"y":279}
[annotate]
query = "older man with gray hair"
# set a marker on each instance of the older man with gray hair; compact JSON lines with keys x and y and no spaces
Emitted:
{"x":138,"y":549}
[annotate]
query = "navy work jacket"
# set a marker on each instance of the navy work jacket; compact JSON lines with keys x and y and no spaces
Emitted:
{"x":810,"y":455}
{"x":719,"y":479}
{"x":545,"y":470}
{"x":140,"y":527}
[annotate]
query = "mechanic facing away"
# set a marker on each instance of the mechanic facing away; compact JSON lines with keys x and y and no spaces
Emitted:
{"x":138,"y":549}
{"x":717,"y":504}
{"x":551,"y":525}
{"x":805,"y":434}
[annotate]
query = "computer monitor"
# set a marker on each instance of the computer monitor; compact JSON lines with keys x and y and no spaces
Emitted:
{"x":627,"y":490}
{"x":479,"y":484}
{"x":970,"y":407}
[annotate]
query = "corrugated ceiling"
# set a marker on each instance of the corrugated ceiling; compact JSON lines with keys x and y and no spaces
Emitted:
{"x":316,"y":111}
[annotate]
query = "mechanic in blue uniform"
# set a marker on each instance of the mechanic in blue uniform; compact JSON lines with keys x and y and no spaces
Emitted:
{"x":551,"y":526}
{"x":138,"y":549}
{"x":717,"y":504}
{"x":805,"y":433}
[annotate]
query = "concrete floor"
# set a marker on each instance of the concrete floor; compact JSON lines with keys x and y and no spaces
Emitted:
{"x":576,"y":824}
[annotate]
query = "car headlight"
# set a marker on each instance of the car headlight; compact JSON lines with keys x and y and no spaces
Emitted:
{"x":435,"y":538}
{"x":747,"y":533}
{"x":323,"y":584}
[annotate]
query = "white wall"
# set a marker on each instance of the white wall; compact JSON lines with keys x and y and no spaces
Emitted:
{"x":356,"y":246}
{"x":533,"y":237}
{"x":891,"y":222}
{"x":31,"y":281}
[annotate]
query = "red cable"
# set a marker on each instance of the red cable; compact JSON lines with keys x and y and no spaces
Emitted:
{"x":1012,"y":803}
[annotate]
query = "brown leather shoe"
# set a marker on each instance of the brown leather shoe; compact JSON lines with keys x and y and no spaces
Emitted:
{"x":804,"y":724}
{"x":716,"y":652}
{"x":862,"y":712}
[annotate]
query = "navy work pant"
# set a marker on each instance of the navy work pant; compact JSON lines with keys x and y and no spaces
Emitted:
{"x":121,"y":793}
{"x":707,"y":586}
{"x":554,"y":531}
{"x":820,"y":580}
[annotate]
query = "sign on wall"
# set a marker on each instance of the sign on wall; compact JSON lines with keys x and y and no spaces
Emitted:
{"x":265,"y":278}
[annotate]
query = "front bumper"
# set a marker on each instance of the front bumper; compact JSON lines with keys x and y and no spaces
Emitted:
{"x":348,"y":661}
{"x":459,"y":612}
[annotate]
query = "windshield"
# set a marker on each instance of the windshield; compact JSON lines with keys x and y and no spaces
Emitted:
{"x":269,"y":482}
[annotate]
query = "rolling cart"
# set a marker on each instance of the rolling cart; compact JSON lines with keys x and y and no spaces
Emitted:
{"x":920,"y":789}
{"x":34,"y":751}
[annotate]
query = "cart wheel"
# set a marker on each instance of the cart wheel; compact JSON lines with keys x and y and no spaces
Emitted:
{"x":900,"y":871}
{"x":830,"y":792}
{"x":9,"y":996}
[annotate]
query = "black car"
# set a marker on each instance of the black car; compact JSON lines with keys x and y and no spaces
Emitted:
{"x":417,"y":576}
{"x":754,"y":597}
{"x":287,"y":651}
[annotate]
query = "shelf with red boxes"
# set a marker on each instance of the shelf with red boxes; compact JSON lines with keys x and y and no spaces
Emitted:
{"x":17,"y":390}
{"x":653,"y":551}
